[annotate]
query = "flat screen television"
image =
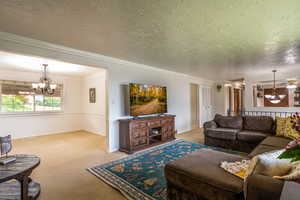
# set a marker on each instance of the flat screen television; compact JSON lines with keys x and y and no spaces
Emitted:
{"x":147,"y":99}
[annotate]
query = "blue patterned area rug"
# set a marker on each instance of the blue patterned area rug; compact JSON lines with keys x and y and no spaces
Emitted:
{"x":141,"y":176}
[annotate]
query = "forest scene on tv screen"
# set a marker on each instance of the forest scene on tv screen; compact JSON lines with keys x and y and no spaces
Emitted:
{"x":147,"y":99}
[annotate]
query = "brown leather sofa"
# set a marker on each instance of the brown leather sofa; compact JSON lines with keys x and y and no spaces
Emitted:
{"x":198,"y":176}
{"x":238,"y":133}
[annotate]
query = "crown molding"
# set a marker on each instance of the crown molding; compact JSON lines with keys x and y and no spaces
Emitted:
{"x":23,"y":45}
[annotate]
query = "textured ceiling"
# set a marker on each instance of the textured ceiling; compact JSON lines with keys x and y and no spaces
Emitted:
{"x":207,"y":38}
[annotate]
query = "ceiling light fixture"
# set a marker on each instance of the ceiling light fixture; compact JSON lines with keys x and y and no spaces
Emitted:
{"x":291,"y":56}
{"x":274,"y":98}
{"x":292,"y":84}
{"x":227,"y":85}
{"x":45,"y":86}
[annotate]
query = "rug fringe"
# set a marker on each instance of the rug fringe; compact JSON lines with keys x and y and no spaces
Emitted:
{"x":111,"y":184}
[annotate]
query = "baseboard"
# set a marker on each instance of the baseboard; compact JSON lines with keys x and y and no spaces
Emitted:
{"x":93,"y":133}
{"x":183,"y":131}
{"x":46,"y":134}
{"x":114,"y":150}
{"x":187,"y":130}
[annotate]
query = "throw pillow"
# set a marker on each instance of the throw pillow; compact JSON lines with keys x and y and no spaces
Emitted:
{"x":281,"y":126}
{"x":294,"y":173}
{"x":237,"y":168}
{"x":290,"y":131}
{"x":267,"y":164}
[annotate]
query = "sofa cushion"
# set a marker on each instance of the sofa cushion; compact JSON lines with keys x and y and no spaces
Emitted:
{"x":222,"y":133}
{"x":251,"y":136}
{"x":263,"y":187}
{"x":203,"y":167}
{"x":262,"y":149}
{"x":229,"y":122}
{"x":279,"y":142}
{"x":210,"y":124}
{"x":259,"y":123}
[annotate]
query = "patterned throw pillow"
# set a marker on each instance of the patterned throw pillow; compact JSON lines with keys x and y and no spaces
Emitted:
{"x":290,"y":132}
{"x":237,"y":168}
{"x":281,"y":126}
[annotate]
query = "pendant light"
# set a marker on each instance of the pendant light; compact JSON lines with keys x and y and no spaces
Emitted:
{"x":274,"y":98}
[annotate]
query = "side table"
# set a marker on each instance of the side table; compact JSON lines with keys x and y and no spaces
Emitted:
{"x":15,"y":182}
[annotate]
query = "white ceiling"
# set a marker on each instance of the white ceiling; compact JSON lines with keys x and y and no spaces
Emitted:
{"x":212,"y":39}
{"x":9,"y":61}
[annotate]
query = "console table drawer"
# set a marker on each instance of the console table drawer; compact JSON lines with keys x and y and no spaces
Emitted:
{"x":139,"y":125}
{"x":167,"y":121}
{"x":139,"y":141}
{"x":154,"y":123}
{"x":139,"y":132}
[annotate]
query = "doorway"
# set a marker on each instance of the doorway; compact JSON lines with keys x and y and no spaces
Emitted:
{"x":76,"y":105}
{"x":236,"y":101}
{"x":194,"y":89}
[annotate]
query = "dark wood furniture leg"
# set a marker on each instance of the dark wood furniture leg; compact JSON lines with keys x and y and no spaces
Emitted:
{"x":24,"y":181}
{"x":24,"y":188}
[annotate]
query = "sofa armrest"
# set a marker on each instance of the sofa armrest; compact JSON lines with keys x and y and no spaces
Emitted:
{"x":260,"y":187}
{"x":210,"y":124}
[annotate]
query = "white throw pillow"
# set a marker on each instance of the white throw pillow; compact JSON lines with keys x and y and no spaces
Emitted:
{"x":267,"y":164}
{"x":294,"y":173}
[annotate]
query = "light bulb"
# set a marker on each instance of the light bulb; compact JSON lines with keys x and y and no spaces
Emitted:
{"x":53,"y":86}
{"x":227,"y":85}
{"x":268,"y":96}
{"x":35,"y":85}
{"x":282,"y":96}
{"x":275,"y":101}
{"x":291,"y":86}
{"x":42,"y":85}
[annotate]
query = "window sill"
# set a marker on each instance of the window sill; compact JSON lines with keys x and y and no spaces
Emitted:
{"x":28,"y":114}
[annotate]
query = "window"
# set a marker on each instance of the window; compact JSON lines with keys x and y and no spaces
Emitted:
{"x":19,"y":97}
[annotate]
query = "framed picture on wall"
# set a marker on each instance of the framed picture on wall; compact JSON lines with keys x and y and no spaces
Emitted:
{"x":92,"y":95}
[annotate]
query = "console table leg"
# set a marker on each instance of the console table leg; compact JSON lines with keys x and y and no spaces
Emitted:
{"x":24,"y":188}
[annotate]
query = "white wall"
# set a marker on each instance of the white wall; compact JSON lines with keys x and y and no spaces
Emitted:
{"x":77,"y":114}
{"x":178,"y":91}
{"x":94,"y":119}
{"x":26,"y":125}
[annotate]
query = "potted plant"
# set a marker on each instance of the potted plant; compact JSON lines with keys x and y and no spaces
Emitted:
{"x":292,"y":151}
{"x":293,"y":148}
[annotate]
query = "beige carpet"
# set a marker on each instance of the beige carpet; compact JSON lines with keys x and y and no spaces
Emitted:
{"x":64,"y":159}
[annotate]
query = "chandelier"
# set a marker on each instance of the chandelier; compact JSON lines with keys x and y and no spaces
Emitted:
{"x":274,"y":98}
{"x":44,"y":86}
